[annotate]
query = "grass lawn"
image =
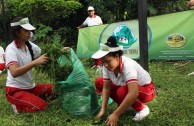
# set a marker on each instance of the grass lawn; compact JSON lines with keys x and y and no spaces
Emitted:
{"x":173,"y":105}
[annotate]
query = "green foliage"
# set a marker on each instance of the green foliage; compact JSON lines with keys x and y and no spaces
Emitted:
{"x":156,"y":7}
{"x":63,"y":34}
{"x":3,"y":44}
{"x":113,"y":11}
{"x":51,"y":43}
{"x":44,"y":11}
{"x":54,"y":50}
{"x":120,"y":10}
{"x":42,"y":31}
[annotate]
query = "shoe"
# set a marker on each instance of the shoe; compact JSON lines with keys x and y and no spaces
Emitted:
{"x":14,"y":109}
{"x":142,"y":114}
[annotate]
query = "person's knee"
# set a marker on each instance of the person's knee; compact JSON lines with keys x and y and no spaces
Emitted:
{"x":38,"y":107}
{"x":99,"y":82}
{"x":122,"y":92}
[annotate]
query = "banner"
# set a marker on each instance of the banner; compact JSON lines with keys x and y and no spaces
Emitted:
{"x":173,"y":36}
{"x":169,"y":37}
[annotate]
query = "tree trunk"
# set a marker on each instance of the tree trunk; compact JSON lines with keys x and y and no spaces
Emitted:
{"x":4,"y":22}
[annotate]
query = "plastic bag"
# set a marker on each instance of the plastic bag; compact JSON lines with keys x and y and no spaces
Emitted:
{"x":77,"y":93}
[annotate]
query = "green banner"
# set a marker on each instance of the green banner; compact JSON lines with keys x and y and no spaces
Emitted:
{"x":169,"y":37}
{"x":173,"y":36}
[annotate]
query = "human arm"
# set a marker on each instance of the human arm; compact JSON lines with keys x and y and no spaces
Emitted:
{"x":66,"y":48}
{"x":105,"y":95}
{"x":101,"y":23}
{"x":81,"y":26}
{"x":100,"y":20}
{"x":84,"y":24}
{"x":191,"y":74}
{"x":17,"y":71}
{"x":190,"y":3}
{"x":128,"y":100}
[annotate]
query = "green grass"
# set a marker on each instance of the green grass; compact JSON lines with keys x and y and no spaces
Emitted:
{"x":173,"y":105}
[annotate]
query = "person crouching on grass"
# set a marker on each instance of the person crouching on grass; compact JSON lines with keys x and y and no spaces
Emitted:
{"x":21,"y":56}
{"x":125,"y":81}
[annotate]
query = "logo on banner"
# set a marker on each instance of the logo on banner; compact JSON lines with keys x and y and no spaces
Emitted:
{"x":124,"y":36}
{"x":175,"y":40}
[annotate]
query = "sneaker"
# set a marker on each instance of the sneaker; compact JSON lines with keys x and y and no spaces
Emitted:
{"x":14,"y":109}
{"x":142,"y":114}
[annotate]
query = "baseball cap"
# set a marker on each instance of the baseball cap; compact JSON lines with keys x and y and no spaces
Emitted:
{"x":24,"y":23}
{"x":104,"y":50}
{"x":90,"y":8}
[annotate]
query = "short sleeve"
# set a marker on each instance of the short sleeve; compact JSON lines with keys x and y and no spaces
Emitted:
{"x":131,"y":74}
{"x":85,"y":22}
{"x":100,"y":20}
{"x":10,"y":56}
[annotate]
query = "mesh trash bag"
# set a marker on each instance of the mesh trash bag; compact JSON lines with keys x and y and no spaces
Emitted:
{"x":77,"y":93}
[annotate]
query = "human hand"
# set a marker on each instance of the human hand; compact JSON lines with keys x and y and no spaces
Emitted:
{"x":65,"y":48}
{"x":43,"y":59}
{"x":191,"y":74}
{"x":99,"y":118}
{"x":190,"y":3}
{"x":100,"y":114}
{"x":112,"y":120}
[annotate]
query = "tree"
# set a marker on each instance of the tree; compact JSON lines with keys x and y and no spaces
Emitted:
{"x":48,"y":12}
{"x":120,"y":10}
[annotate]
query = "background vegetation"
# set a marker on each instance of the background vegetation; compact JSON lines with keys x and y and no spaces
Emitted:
{"x":65,"y":15}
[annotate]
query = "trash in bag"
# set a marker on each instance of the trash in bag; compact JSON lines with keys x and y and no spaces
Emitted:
{"x":77,"y":93}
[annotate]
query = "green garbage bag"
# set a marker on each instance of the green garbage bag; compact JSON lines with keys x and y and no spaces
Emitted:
{"x":76,"y":93}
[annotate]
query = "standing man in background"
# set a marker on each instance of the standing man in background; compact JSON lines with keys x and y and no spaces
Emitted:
{"x":92,"y":19}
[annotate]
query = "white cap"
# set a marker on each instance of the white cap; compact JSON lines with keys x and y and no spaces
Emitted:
{"x":90,"y":8}
{"x":24,"y":23}
{"x":104,"y":50}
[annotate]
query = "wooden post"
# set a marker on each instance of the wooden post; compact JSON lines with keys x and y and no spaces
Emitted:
{"x":143,"y":39}
{"x":4,"y":20}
